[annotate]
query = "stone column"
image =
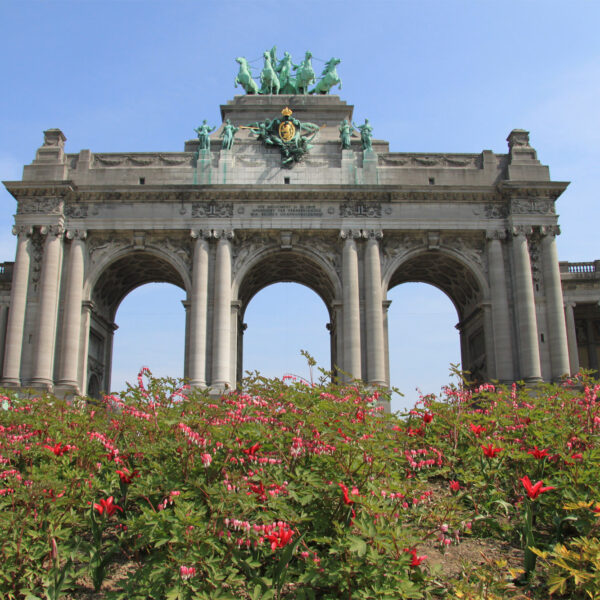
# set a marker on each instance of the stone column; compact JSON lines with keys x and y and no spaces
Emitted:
{"x":352,"y":349}
{"x":198,"y":311}
{"x":221,"y":369}
{"x":502,"y":327}
{"x":16,"y":314}
{"x":529,"y":351}
{"x":71,"y":334}
{"x":572,"y":337}
{"x":43,"y":358}
{"x":3,"y":322}
{"x":557,"y":331}
{"x":87,"y":308}
{"x":374,"y":311}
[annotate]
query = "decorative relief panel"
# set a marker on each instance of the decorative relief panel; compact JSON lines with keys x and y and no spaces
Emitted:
{"x":212,"y":209}
{"x":423,"y":160}
{"x":361,"y":209}
{"x":126,"y":160}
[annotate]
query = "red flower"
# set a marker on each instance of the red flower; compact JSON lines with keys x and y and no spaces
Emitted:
{"x":477,"y":429}
{"x":416,"y":560}
{"x":454,"y":486}
{"x":108,"y":506}
{"x":126,"y":476}
{"x":533,"y":491}
{"x":58,"y":448}
{"x":490,"y":451}
{"x":281,"y":537}
{"x":539,"y":454}
{"x":427,"y":417}
{"x":347,"y":499}
{"x":252,"y":450}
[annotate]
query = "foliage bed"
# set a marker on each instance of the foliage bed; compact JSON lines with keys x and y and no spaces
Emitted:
{"x":285,"y":490}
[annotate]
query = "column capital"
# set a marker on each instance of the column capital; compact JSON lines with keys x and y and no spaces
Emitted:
{"x":495,"y":234}
{"x":373,"y":234}
{"x":570,"y":303}
{"x":76,"y":234}
{"x":56,"y":230}
{"x":518,"y":230}
{"x":550,"y":230}
{"x":351,"y":234}
{"x":200,"y":234}
{"x":22,"y":230}
{"x":222,"y":234}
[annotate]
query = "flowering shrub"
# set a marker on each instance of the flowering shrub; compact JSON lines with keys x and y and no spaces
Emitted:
{"x":284,"y":490}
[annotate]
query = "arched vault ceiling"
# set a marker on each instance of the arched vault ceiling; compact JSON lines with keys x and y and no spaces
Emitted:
{"x":286,"y":266}
{"x":128,"y":273}
{"x":445,"y":273}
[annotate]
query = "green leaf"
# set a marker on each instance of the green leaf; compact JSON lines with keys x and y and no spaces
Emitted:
{"x":357,"y":545}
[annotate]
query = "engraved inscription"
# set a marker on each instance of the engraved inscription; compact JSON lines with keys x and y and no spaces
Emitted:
{"x":285,"y":210}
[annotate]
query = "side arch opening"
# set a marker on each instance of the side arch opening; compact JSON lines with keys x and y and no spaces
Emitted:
{"x":113,"y":285}
{"x":459,"y":306}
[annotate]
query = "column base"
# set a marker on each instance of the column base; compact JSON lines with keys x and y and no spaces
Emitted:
{"x":11,"y":383}
{"x":64,"y":389}
{"x":38,"y":383}
{"x":217,"y":389}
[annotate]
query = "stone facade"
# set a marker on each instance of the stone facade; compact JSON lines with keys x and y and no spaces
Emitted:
{"x":223,"y":224}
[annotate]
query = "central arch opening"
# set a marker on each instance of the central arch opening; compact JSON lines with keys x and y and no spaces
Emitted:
{"x":281,"y":320}
{"x":287,"y":300}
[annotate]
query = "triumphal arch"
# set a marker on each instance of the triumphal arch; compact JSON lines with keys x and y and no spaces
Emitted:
{"x":286,"y":188}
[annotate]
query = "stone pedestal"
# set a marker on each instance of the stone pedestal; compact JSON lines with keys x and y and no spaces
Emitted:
{"x":370,"y":167}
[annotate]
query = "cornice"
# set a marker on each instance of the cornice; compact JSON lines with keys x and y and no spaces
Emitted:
{"x":532,"y":189}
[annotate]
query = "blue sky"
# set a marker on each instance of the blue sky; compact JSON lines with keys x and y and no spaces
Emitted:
{"x":432,"y":76}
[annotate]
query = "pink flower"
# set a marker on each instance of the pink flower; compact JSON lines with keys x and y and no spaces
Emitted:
{"x":454,"y":486}
{"x":187,"y":572}
{"x":206,"y":459}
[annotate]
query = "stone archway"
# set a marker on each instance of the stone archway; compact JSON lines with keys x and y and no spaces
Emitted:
{"x":300,"y":265}
{"x":119,"y":274}
{"x":466,"y":288}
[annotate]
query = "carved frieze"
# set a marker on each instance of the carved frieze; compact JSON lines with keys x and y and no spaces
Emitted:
{"x":76,"y":211}
{"x":522,"y":206}
{"x":46,"y":206}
